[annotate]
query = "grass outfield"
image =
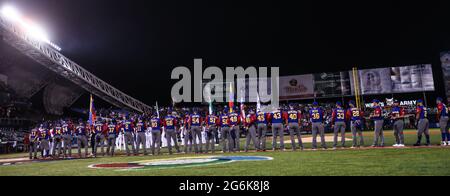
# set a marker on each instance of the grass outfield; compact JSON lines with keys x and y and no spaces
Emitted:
{"x":387,"y":161}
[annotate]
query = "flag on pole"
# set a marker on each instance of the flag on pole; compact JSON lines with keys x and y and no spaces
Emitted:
{"x":231,"y":103}
{"x":258,"y":102}
{"x":92,"y":114}
{"x":210,"y":108}
{"x":242,"y":107}
{"x":157,"y":109}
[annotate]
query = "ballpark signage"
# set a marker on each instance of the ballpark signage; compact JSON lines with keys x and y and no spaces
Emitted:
{"x":332,"y":84}
{"x":296,"y":87}
{"x":178,"y":162}
{"x":445,"y":59}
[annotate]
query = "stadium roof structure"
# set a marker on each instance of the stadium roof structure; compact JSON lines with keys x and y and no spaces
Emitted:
{"x":42,"y":51}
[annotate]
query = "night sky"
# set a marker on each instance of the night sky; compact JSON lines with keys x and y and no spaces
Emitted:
{"x":134,"y":45}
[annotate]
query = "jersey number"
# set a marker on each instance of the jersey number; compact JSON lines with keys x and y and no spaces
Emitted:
{"x":169,"y":122}
{"x":277,"y":115}
{"x":293,"y":116}
{"x":195,"y":120}
{"x":261,"y":118}
{"x":316,"y":116}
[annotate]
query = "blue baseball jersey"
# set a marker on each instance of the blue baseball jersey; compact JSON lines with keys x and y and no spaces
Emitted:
{"x":195,"y":120}
{"x":224,"y":121}
{"x":378,"y":113}
{"x":443,"y":109}
{"x":111,"y":129}
{"x":277,"y":117}
{"x":34,"y":134}
{"x":339,"y":115}
{"x":261,"y":118}
{"x":127,"y":126}
{"x":355,"y":114}
{"x":212,"y":120}
{"x":234,"y":118}
{"x":66,"y":129}
{"x":98,"y":128}
{"x":81,"y":130}
{"x":397,"y":111}
{"x":57,"y":131}
{"x":293,"y":116}
{"x":422,"y":112}
{"x":155,"y":123}
{"x":316,"y":115}
{"x":140,"y":127}
{"x":44,"y":134}
{"x":170,"y":122}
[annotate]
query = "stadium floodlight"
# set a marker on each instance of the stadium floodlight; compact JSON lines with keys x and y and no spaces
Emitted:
{"x":10,"y":13}
{"x":32,"y":29}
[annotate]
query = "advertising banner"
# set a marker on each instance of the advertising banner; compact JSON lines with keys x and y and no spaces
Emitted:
{"x":297,"y":87}
{"x":445,"y":59}
{"x":332,"y":84}
{"x":414,"y":78}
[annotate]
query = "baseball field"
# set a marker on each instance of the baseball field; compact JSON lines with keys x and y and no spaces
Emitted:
{"x":415,"y":161}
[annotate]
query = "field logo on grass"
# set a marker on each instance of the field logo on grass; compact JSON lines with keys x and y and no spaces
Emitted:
{"x":178,"y":162}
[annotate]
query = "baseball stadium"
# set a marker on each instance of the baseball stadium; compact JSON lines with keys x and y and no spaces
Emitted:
{"x":111,"y":88}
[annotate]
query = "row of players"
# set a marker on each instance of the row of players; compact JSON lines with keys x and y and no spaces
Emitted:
{"x":254,"y":126}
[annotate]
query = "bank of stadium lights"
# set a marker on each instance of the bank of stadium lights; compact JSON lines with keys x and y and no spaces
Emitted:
{"x":31,"y":28}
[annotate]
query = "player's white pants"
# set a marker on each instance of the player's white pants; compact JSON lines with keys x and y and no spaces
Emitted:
{"x":51,"y":147}
{"x":164,"y":140}
{"x":148,"y":138}
{"x":120,"y":141}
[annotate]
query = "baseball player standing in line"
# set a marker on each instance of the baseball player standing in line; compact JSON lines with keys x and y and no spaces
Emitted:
{"x":57,"y":141}
{"x":422,"y":123}
{"x":155,"y":123}
{"x":99,"y":138}
{"x":34,"y":140}
{"x":128,"y":128}
{"x":277,"y":129}
{"x":338,"y":121}
{"x":442,"y":117}
{"x":170,"y":123}
{"x":235,"y":120}
{"x":261,"y":122}
{"x":188,"y":135}
{"x":377,"y":117}
{"x":81,"y":133}
{"x":293,"y":120}
{"x":211,"y":131}
{"x":316,"y":118}
{"x":141,"y":139}
{"x":250,"y":126}
{"x":355,"y":115}
{"x":397,"y":116}
{"x":112,"y":132}
{"x":44,"y":138}
{"x":67,"y":130}
{"x":227,"y":142}
{"x":195,"y":123}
